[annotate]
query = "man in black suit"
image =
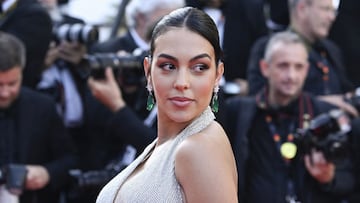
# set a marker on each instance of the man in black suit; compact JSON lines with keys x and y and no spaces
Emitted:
{"x":273,"y":164}
{"x":311,"y":19}
{"x":32,"y":133}
{"x":27,"y":20}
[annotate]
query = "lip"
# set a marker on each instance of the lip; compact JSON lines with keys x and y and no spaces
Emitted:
{"x":181,"y":101}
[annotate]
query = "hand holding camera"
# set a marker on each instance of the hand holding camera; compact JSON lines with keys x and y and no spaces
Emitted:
{"x":318,"y":167}
{"x":107,"y":91}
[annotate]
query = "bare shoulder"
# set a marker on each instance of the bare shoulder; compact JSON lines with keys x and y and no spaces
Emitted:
{"x":212,"y":140}
{"x":204,"y":164}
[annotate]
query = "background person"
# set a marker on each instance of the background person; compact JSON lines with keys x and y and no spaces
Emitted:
{"x":261,"y":128}
{"x":32,"y":133}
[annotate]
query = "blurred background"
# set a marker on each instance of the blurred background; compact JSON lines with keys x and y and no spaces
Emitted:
{"x":95,"y":12}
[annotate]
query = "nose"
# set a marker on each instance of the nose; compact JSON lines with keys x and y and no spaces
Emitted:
{"x":4,"y":91}
{"x":182,"y":80}
{"x":291,"y":73}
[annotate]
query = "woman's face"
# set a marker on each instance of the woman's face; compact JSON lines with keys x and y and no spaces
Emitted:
{"x":183,"y":74}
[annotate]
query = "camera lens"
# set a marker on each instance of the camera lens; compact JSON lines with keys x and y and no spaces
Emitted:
{"x":81,"y":33}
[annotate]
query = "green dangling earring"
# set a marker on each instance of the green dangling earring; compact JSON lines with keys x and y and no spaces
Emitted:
{"x":215,"y":101}
{"x":150,"y":103}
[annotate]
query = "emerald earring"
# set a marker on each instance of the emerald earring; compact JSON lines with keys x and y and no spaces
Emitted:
{"x":215,"y":100}
{"x":150,"y":103}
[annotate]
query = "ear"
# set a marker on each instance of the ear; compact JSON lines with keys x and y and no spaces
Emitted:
{"x":264,"y":68}
{"x":147,"y":68}
{"x":219,"y":72}
{"x":301,"y":7}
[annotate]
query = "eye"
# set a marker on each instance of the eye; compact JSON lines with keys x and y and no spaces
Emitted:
{"x":283,"y":66}
{"x":299,"y":67}
{"x":200,"y":68}
{"x":167,"y":66}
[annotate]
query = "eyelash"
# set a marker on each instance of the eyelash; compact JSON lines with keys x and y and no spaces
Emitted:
{"x":196,"y":68}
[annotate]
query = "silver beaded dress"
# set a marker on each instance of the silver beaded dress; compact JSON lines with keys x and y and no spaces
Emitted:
{"x":157,"y":183}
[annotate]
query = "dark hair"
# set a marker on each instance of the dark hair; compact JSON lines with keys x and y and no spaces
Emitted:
{"x":12,"y":52}
{"x":193,"y":19}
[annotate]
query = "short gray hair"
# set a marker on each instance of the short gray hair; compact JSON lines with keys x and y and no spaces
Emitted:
{"x":293,"y":3}
{"x":285,"y":37}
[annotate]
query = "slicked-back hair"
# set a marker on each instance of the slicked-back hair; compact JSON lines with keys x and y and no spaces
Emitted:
{"x":193,"y":19}
{"x":12,"y":52}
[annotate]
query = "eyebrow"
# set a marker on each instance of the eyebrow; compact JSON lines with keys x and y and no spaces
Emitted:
{"x":192,"y":59}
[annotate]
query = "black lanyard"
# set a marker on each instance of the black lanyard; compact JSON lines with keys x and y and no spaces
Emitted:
{"x":277,"y":137}
{"x":290,"y":193}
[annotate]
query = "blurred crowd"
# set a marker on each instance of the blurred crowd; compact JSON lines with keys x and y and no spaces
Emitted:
{"x":73,"y":108}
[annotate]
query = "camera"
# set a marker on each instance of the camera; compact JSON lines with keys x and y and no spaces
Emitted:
{"x":13,"y":176}
{"x":81,"y":33}
{"x":327,"y":133}
{"x":127,"y":68}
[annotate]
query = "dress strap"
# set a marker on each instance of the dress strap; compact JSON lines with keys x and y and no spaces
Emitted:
{"x":200,"y":123}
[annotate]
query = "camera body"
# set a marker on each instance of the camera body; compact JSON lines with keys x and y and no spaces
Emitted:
{"x":127,"y":68}
{"x":326,"y":133}
{"x":13,"y":176}
{"x":81,"y":33}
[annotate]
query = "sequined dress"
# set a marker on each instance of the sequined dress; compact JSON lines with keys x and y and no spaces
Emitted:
{"x":156,"y":184}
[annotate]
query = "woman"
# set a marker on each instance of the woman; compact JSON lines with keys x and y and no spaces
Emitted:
{"x":191,"y":160}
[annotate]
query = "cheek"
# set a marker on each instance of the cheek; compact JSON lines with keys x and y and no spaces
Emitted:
{"x":205,"y":89}
{"x":14,"y":91}
{"x":161,"y":86}
{"x":303,"y":75}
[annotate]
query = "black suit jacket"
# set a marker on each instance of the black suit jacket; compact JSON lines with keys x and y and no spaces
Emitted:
{"x":41,"y":139}
{"x":31,"y":24}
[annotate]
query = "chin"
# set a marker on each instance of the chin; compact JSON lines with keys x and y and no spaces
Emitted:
{"x":322,"y":35}
{"x":4,"y":106}
{"x":290,"y":93}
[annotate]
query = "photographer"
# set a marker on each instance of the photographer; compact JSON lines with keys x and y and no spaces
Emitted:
{"x":36,"y":151}
{"x":59,"y":79}
{"x":272,"y":166}
{"x":65,"y":79}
